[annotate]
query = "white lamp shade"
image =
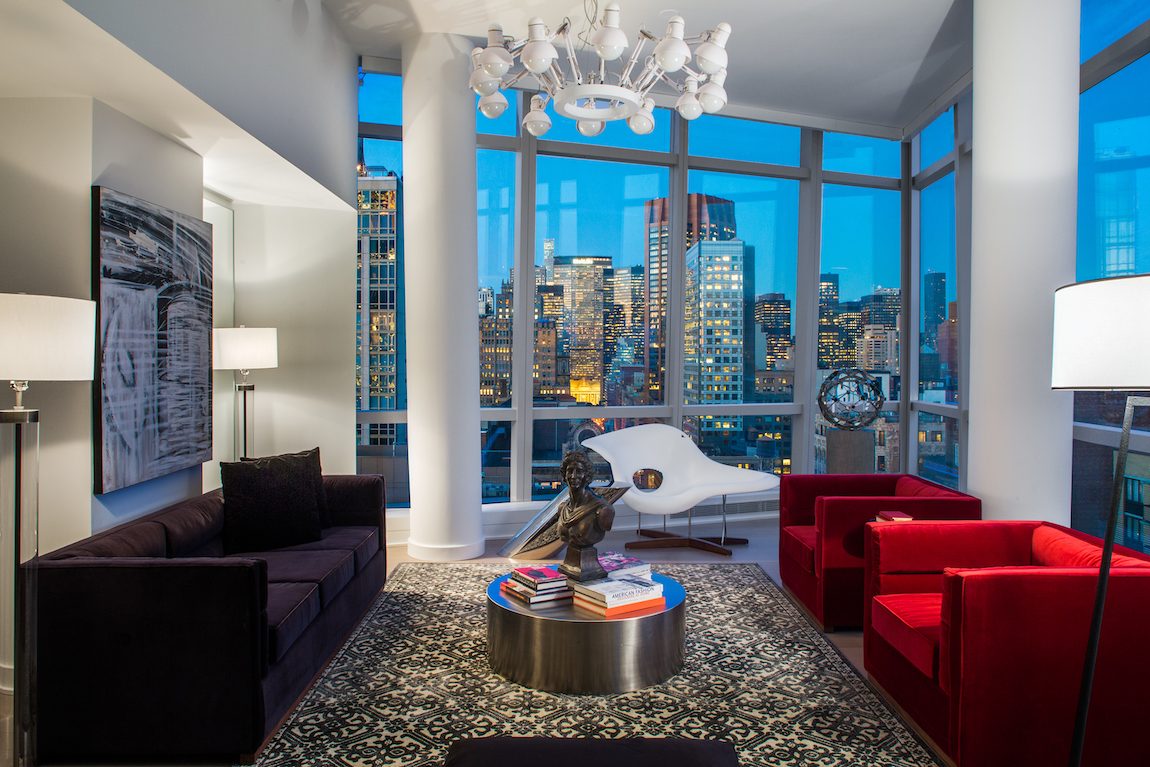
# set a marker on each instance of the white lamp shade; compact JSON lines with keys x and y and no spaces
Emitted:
{"x":244,"y":348}
{"x":46,"y":338}
{"x":1100,"y":337}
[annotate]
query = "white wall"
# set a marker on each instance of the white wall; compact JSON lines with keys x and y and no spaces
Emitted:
{"x":280,"y":70}
{"x":53,"y":151}
{"x":295,"y":271}
{"x":223,"y":316}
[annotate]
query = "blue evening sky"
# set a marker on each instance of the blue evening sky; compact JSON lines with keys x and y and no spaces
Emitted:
{"x":1114,"y":173}
{"x":592,"y":207}
{"x":1104,"y":21}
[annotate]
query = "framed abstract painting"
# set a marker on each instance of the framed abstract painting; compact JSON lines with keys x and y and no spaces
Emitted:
{"x":153,"y":286}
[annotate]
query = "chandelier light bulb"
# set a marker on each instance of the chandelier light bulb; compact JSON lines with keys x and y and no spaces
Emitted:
{"x":537,"y":122}
{"x":672,"y":53}
{"x":495,"y":59}
{"x":590,"y":128}
{"x":609,"y":40}
{"x":688,"y":104}
{"x":643,"y":122}
{"x":539,"y":54}
{"x":493,"y":105}
{"x":482,"y":83}
{"x":711,"y":55}
{"x":712,"y":96}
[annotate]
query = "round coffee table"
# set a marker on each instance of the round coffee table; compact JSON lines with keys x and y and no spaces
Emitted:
{"x":563,"y":648}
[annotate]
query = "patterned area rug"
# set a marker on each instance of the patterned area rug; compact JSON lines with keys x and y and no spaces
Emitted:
{"x":414,"y":677}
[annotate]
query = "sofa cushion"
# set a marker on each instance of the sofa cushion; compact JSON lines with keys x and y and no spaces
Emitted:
{"x":193,"y":525}
{"x":269,"y":503}
{"x":312,"y":459}
{"x":915,"y":487}
{"x":911,"y":624}
{"x":1051,"y":547}
{"x":364,"y":541}
{"x":798,"y":543}
{"x":141,"y":539}
{"x":291,"y":609}
{"x":332,"y":569}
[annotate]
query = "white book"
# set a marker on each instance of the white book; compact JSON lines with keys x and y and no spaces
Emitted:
{"x":615,"y":591}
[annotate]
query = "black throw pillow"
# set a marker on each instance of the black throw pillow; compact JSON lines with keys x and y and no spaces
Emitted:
{"x":317,"y":475}
{"x":269,"y":503}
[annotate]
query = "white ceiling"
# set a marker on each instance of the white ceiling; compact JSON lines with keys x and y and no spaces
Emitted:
{"x":875,"y":66}
{"x":47,"y":49}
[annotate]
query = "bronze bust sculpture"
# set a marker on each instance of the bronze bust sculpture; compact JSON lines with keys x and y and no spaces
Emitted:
{"x":584,"y":518}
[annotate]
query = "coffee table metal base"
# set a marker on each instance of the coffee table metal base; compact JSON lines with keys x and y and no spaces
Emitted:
{"x":567,"y":649}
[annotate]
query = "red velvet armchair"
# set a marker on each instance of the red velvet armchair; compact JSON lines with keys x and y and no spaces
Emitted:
{"x":821,"y":519}
{"x":978,"y":630}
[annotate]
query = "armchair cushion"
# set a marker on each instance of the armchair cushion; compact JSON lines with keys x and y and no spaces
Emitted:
{"x":798,"y":543}
{"x":911,"y":623}
{"x":1054,"y":548}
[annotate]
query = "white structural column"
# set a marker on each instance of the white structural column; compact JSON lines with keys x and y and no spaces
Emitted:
{"x":1025,"y":160}
{"x":441,"y":268}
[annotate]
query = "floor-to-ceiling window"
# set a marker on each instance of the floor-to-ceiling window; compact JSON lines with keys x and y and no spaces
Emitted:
{"x":940,"y":201}
{"x":708,"y":275}
{"x":860,"y":295}
{"x":381,"y":381}
{"x":1113,"y":240}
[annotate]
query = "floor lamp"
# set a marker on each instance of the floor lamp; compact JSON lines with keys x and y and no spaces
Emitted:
{"x":1100,"y":343}
{"x":42,"y":338}
{"x":245,"y":349}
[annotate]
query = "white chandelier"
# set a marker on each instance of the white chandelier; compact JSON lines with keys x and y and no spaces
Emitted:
{"x":599,"y":96}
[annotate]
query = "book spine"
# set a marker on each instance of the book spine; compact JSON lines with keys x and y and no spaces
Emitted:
{"x":615,"y":598}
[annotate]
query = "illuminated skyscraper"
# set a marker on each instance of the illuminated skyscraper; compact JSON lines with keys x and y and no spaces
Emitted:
{"x":381,"y":382}
{"x":495,"y":352}
{"x":708,"y":218}
{"x":583,"y":279}
{"x":773,"y":318}
{"x":933,"y":306}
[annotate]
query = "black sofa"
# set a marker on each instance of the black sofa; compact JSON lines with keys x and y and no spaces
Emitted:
{"x":154,"y":645}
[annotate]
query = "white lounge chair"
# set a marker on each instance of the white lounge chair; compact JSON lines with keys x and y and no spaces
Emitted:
{"x":688,"y":477}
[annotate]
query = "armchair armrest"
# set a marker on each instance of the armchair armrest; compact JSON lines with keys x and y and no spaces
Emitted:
{"x":799,"y":492}
{"x":149,"y":655}
{"x":841,"y":521}
{"x":1024,"y":630}
{"x":355,"y":499}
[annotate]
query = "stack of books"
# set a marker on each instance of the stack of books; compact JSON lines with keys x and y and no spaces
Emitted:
{"x":620,"y":565}
{"x":537,"y":585}
{"x":618,"y":596}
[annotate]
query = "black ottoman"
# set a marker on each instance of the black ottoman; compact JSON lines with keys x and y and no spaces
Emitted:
{"x":594,"y":752}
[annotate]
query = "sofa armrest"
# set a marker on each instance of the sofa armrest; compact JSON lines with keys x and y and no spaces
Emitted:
{"x":356,"y":499}
{"x":798,"y":492}
{"x":141,"y":656}
{"x":841,"y":520}
{"x":1024,"y":630}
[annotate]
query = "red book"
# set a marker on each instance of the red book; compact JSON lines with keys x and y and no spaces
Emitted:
{"x":894,"y":516}
{"x":611,"y":612}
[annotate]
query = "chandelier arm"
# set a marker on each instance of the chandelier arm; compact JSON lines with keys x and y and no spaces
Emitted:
{"x":701,"y":77}
{"x":602,"y":71}
{"x":624,"y":78}
{"x":649,"y":77}
{"x":511,"y":81}
{"x":576,"y":76}
{"x":557,"y":78}
{"x":663,"y":77}
{"x":515,"y":47}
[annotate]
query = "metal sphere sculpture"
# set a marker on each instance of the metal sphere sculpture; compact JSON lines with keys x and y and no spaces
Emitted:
{"x":850,"y":399}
